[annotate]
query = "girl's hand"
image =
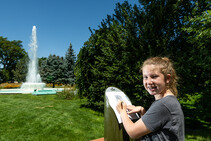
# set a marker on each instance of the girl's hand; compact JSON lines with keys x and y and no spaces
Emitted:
{"x":121,"y":106}
{"x":136,"y":109}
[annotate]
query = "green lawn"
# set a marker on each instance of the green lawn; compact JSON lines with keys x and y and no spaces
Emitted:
{"x":198,"y":135}
{"x":33,"y":118}
{"x":46,"y":118}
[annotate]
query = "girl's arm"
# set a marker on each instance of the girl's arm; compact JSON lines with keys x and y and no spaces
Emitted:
{"x":134,"y":130}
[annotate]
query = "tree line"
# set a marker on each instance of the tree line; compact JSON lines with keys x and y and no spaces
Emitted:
{"x":113,"y":54}
{"x":53,"y":69}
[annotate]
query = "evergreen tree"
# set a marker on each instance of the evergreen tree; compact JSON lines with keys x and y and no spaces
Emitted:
{"x":52,"y":70}
{"x":107,"y":59}
{"x":70,"y":65}
{"x":83,"y":69}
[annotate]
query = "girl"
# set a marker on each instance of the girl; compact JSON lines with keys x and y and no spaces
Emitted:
{"x":164,"y":120}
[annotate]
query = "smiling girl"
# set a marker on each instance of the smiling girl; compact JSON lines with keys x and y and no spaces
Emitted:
{"x":164,"y":120}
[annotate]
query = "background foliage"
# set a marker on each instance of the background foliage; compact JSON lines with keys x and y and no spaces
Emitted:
{"x":115,"y":51}
{"x":11,"y":53}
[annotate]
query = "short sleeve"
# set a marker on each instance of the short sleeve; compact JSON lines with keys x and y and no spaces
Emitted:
{"x":156,"y":116}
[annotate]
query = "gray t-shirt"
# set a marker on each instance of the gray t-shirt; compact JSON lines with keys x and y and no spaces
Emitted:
{"x":165,"y":119}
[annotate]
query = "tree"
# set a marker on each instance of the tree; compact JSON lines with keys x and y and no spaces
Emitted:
{"x":82,"y":69}
{"x":41,"y":60}
{"x":198,"y":29}
{"x":4,"y":75}
{"x":21,"y":69}
{"x":107,"y":58}
{"x":52,"y":69}
{"x":70,"y":65}
{"x":10,"y":53}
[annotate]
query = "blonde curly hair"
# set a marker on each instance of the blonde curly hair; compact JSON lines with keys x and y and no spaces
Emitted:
{"x":166,"y":67}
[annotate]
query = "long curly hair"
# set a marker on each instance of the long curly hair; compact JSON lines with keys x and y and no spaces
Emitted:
{"x":166,"y":67}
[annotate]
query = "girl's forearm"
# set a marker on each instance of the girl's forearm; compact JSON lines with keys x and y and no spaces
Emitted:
{"x":134,"y":130}
{"x":128,"y":124}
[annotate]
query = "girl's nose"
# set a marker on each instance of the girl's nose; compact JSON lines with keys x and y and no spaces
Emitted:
{"x":149,"y":81}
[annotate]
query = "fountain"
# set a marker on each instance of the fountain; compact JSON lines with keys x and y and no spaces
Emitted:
{"x":33,"y":82}
{"x":33,"y":79}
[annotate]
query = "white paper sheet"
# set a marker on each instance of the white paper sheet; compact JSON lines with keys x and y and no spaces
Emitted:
{"x":113,"y":95}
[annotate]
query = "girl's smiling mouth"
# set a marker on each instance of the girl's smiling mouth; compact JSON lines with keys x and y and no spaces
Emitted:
{"x":152,"y":88}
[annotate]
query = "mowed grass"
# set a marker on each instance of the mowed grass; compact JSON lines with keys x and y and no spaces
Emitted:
{"x":46,"y":118}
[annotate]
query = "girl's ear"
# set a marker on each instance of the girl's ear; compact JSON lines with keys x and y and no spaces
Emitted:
{"x":168,"y":78}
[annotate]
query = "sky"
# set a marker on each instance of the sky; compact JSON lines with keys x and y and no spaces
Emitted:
{"x":58,"y":22}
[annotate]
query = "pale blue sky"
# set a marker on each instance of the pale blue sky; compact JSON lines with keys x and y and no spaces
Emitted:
{"x":58,"y":22}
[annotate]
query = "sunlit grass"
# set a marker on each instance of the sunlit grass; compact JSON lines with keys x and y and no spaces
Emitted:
{"x":28,"y":117}
{"x":49,"y":118}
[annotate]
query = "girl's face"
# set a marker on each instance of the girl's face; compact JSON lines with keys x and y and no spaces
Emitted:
{"x":153,"y":80}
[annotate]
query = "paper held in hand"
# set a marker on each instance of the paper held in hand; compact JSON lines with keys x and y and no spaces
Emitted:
{"x":113,"y":95}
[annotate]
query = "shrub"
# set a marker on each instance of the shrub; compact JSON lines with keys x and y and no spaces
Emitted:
{"x":68,"y":93}
{"x":196,"y":110}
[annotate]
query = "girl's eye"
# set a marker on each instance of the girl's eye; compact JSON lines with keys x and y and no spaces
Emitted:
{"x":154,"y":76}
{"x":145,"y":77}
